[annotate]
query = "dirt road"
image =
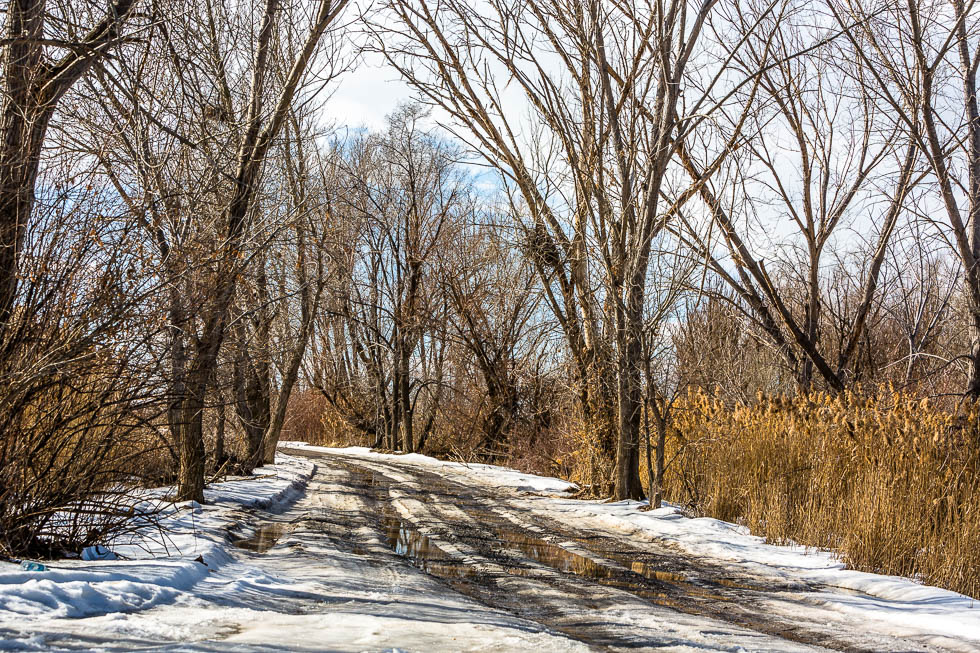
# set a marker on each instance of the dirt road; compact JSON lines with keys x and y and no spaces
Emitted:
{"x":602,"y":589}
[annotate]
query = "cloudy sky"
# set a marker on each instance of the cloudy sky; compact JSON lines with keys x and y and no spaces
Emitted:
{"x":365,"y":95}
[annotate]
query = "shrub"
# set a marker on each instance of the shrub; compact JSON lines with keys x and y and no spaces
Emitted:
{"x":67,"y":473}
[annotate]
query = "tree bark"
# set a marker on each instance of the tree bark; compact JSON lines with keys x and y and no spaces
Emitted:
{"x":190,"y":443}
{"x":261,"y":127}
{"x":630,"y":414}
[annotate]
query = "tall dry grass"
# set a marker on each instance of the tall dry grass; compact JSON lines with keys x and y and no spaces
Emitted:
{"x":889,"y":482}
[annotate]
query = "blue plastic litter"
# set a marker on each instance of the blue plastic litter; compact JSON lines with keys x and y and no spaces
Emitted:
{"x":97,"y":552}
{"x":27,"y":565}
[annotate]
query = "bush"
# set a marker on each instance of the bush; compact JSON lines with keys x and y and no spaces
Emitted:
{"x":72,"y":448}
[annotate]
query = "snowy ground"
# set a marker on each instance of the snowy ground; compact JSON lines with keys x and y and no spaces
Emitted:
{"x":303,"y":594}
{"x":912,"y":608}
{"x":310,"y":593}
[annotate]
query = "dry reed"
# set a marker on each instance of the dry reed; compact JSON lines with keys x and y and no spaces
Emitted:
{"x":889,"y":482}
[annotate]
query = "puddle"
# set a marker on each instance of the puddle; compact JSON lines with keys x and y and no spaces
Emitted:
{"x":264,"y":539}
{"x":633,"y":580}
{"x":645,"y":570}
{"x":554,"y":556}
{"x":407,"y":542}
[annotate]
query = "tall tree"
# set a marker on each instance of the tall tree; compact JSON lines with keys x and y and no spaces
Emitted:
{"x":404,"y":192}
{"x":922,"y":58}
{"x":614,"y":94}
{"x":822,"y":157}
{"x":44,"y":53}
{"x":196,"y":149}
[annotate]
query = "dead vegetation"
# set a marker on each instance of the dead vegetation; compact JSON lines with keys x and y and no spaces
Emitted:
{"x":890,"y":481}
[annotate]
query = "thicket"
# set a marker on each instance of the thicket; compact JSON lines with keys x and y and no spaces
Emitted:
{"x":889,"y":481}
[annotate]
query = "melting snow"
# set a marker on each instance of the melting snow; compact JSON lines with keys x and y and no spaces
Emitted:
{"x":306,"y":594}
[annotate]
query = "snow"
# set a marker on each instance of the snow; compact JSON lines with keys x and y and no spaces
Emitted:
{"x":159,"y":562}
{"x":309,"y":592}
{"x":913,"y":609}
{"x":305,"y":593}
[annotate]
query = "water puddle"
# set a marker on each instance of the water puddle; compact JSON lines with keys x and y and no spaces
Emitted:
{"x":554,"y":556}
{"x":264,"y":539}
{"x":647,"y":571}
{"x":407,"y":542}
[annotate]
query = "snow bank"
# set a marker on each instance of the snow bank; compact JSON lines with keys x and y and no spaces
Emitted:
{"x":159,"y":562}
{"x":912,"y":607}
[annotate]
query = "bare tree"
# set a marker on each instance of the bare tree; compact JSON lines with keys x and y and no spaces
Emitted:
{"x":821,"y":156}
{"x":278,"y":309}
{"x":917,"y":54}
{"x":196,"y":147}
{"x":78,"y":378}
{"x":495,"y":314}
{"x":44,"y":53}
{"x":613,"y":95}
{"x":403,"y":192}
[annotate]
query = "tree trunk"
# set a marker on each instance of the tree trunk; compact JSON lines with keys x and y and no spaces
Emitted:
{"x":658,"y":495}
{"x":219,"y":437}
{"x":404,"y":396}
{"x":394,"y":426}
{"x":190,"y":477}
{"x":502,"y":398}
{"x":252,"y":407}
{"x":630,"y":332}
{"x":31,"y":90}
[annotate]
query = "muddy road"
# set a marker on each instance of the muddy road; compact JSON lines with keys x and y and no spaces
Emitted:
{"x":607,"y":590}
